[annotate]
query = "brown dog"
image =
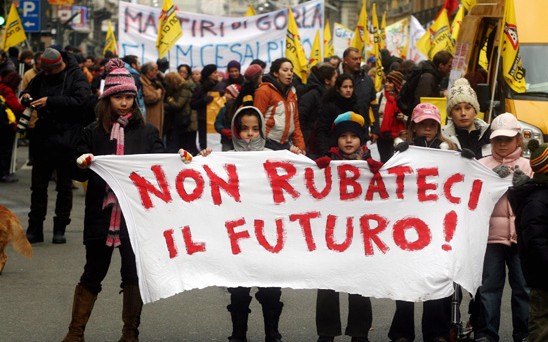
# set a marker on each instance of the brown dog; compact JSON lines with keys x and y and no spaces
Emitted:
{"x":12,"y":232}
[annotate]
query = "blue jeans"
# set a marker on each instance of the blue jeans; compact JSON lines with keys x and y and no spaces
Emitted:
{"x":497,"y":258}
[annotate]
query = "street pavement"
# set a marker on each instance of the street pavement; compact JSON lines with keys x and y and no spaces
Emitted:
{"x":36,"y":295}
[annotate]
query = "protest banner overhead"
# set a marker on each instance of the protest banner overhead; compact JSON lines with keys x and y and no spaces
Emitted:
{"x":217,"y":40}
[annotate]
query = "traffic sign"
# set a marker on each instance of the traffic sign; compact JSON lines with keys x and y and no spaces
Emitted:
{"x":30,"y":15}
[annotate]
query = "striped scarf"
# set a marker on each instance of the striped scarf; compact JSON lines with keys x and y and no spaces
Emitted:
{"x":117,"y":133}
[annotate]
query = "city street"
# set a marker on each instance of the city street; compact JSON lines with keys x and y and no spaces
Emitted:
{"x":36,"y":295}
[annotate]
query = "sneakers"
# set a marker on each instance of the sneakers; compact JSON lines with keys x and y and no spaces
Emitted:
{"x":11,"y":178}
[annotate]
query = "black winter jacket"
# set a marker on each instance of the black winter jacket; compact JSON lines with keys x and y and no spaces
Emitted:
{"x":139,"y":139}
{"x":332,"y":105}
{"x":309,"y":104}
{"x":68,"y":92}
{"x":530,"y":205}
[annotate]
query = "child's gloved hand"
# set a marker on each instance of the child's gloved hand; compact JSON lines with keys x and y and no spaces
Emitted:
{"x":206,"y":152}
{"x":226,"y":133}
{"x":85,"y":160}
{"x":502,"y":170}
{"x":323,"y":162}
{"x":401,"y":147}
{"x":467,"y":153}
{"x":186,"y":157}
{"x":519,"y":177}
{"x":374,"y":165}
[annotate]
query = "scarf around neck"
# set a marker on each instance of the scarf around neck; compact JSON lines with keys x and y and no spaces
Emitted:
{"x":117,"y":133}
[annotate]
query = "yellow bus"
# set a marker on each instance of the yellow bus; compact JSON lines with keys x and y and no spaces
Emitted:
{"x":477,"y":48}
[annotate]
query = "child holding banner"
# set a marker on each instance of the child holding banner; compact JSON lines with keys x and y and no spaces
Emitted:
{"x":529,"y":200}
{"x":424,"y":130}
{"x":463,"y":128}
{"x":502,"y":248}
{"x":248,"y":135}
{"x":349,"y":132}
{"x":119,"y":129}
{"x":467,"y":132}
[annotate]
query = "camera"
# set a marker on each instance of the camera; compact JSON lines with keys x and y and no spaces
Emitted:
{"x":23,"y":122}
{"x":26,"y":101}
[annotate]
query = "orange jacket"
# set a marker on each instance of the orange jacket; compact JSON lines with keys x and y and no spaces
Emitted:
{"x":281,"y":114}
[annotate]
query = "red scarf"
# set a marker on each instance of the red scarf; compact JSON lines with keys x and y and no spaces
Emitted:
{"x":389,"y":122}
{"x":117,"y":133}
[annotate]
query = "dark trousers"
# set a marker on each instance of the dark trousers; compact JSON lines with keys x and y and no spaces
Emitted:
{"x":328,"y":314}
{"x":239,"y":296}
{"x":189,"y":143}
{"x":436,"y":320}
{"x":42,"y":170}
{"x":98,"y":256}
{"x":7,"y":137}
{"x":177,"y":139}
{"x":202,"y":133}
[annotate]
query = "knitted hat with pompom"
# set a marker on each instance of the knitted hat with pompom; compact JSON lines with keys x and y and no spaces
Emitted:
{"x":461,"y":91}
{"x":118,"y":80}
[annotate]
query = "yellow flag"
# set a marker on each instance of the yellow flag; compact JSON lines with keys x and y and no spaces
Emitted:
{"x":110,"y":40}
{"x":316,"y":52}
{"x":437,"y":37}
{"x":169,"y":30}
{"x":376,"y":47}
{"x":250,"y":11}
{"x":468,"y":4}
{"x":14,"y":34}
{"x":361,"y":34}
{"x":512,"y":70}
{"x":482,"y":60}
{"x":294,"y":50}
{"x":328,"y":49}
{"x":455,"y":27}
{"x":383,"y":31}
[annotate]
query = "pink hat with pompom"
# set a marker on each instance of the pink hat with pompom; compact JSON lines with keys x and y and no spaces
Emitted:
{"x":118,"y":80}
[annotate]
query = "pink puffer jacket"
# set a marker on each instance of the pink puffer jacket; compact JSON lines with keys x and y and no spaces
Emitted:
{"x":501,"y":224}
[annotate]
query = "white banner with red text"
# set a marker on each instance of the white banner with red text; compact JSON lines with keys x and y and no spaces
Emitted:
{"x":274,"y":219}
{"x":217,"y":40}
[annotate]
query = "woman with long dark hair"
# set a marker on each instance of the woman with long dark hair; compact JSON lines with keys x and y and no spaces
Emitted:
{"x":276,"y":98}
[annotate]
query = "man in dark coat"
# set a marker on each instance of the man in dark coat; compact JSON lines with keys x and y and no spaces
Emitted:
{"x":60,"y":93}
{"x":436,"y":70}
{"x":365,"y":92}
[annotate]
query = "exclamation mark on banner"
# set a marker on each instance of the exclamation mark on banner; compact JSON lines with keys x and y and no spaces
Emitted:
{"x":449,"y":227}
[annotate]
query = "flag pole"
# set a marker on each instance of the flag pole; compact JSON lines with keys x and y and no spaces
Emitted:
{"x":497,"y":67}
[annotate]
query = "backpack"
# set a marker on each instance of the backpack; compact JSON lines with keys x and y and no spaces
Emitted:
{"x":406,"y":97}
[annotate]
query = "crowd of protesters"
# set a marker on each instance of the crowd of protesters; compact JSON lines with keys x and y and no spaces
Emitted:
{"x":87,"y":101}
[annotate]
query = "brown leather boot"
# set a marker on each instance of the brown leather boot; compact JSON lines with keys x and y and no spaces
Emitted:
{"x":131,"y":313}
{"x":81,"y":310}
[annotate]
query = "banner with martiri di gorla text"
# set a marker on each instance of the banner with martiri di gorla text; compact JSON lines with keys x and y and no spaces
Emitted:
{"x":217,"y":40}
{"x":275,"y":219}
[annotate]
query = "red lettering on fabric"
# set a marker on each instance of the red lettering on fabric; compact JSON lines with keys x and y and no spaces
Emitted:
{"x":279,"y":182}
{"x":145,"y":187}
{"x":231,"y":187}
{"x":423,"y":186}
